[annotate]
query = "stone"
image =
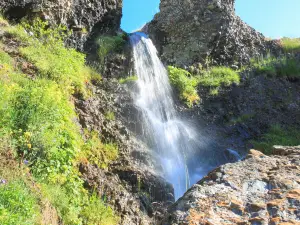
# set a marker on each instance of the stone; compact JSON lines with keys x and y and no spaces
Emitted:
{"x":249,"y":200}
{"x":81,"y":16}
{"x":205,"y":31}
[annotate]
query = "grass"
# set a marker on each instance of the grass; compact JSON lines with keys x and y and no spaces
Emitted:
{"x":290,"y":45}
{"x":283,"y":67}
{"x":128,"y":79}
{"x":18,"y":205}
{"x":38,"y":124}
{"x":277,"y":135}
{"x":186,"y":84}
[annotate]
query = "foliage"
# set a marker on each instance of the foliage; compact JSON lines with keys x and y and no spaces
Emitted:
{"x":41,"y":118}
{"x":285,"y":67}
{"x":17,"y":204}
{"x":68,"y":206}
{"x":110,"y":115}
{"x":290,"y":45}
{"x":185,"y":83}
{"x":45,"y":49}
{"x":128,"y":79}
{"x":216,"y":77}
{"x":277,"y":135}
{"x":37,"y":119}
{"x":99,"y":153}
{"x":95,"y":212}
{"x":108,"y":44}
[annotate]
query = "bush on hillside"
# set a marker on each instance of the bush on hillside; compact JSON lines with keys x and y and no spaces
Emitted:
{"x":18,"y":205}
{"x":185,"y":83}
{"x":37,"y":117}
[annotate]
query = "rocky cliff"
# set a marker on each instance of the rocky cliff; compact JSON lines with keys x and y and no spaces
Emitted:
{"x":258,"y":190}
{"x":80,"y":16}
{"x":198,"y":31}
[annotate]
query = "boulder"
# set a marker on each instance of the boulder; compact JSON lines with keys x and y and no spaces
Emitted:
{"x":258,"y":190}
{"x":204,"y":31}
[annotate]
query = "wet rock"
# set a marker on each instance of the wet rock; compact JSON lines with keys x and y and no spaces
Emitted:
{"x":254,"y":199}
{"x":133,"y":184}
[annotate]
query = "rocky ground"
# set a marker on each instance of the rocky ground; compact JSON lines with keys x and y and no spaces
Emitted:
{"x":132,"y":184}
{"x":259,"y":190}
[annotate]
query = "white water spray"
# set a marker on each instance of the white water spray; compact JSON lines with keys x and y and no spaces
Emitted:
{"x":169,"y":135}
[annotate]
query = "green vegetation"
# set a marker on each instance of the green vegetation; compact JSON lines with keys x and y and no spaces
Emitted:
{"x":290,"y":45}
{"x":277,"y":135}
{"x":38,"y":125}
{"x":186,"y":85}
{"x":108,"y":44}
{"x":128,"y":79}
{"x":95,"y":212}
{"x":99,"y":153}
{"x":217,"y":77}
{"x":110,"y":115}
{"x":45,"y":49}
{"x":283,"y":67}
{"x":241,"y":119}
{"x":18,"y":205}
{"x":213,"y":78}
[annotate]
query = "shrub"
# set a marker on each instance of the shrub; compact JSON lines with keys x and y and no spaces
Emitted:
{"x":108,"y":44}
{"x":290,"y":45}
{"x":43,"y":115}
{"x":99,"y":153}
{"x":95,"y":212}
{"x":128,"y":79}
{"x":18,"y":205}
{"x":277,"y":135}
{"x":185,"y":83}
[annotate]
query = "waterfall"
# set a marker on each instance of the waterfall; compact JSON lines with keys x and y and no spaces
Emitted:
{"x":173,"y":139}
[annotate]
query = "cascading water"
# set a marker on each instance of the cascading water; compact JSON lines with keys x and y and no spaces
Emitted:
{"x":173,"y":139}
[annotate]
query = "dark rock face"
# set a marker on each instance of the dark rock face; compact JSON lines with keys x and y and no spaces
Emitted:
{"x":258,"y":190}
{"x":132,"y":185}
{"x":81,"y":16}
{"x":198,"y":31}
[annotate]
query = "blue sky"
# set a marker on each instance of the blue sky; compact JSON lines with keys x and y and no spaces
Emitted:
{"x":274,"y":18}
